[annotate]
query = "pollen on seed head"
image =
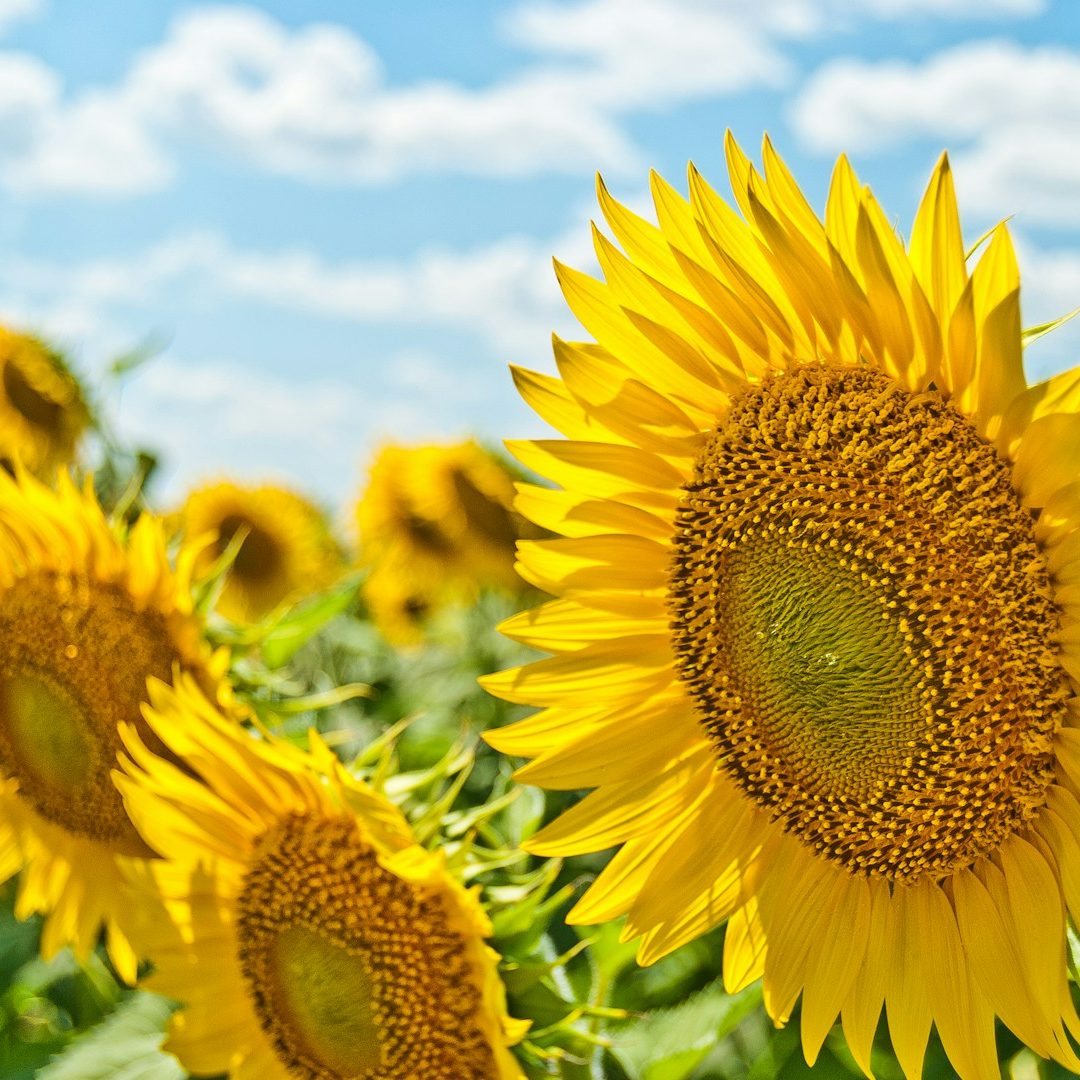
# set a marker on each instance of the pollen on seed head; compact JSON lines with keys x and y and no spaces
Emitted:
{"x":862,"y":614}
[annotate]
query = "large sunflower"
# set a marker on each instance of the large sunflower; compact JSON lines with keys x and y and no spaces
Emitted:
{"x":287,"y":550}
{"x":86,"y":617}
{"x":818,"y":626}
{"x":42,"y":412}
{"x":308,"y":935}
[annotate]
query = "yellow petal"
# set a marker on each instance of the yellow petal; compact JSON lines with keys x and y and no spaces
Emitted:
{"x":640,"y":239}
{"x":616,"y":813}
{"x":705,"y":858}
{"x":937,"y":244}
{"x":907,"y":1003}
{"x":562,"y":626}
{"x":745,"y":948}
{"x":835,"y":959}
{"x":600,"y":311}
{"x":996,"y":293}
{"x":996,"y":965}
{"x":792,"y":898}
{"x":963,"y":1019}
{"x":551,"y":401}
{"x":621,"y":563}
{"x":615,"y":669}
{"x":862,"y":1009}
{"x":617,"y":752}
{"x":842,"y":210}
{"x":1048,"y":457}
{"x":567,"y":513}
{"x":1060,"y":393}
{"x":601,"y":470}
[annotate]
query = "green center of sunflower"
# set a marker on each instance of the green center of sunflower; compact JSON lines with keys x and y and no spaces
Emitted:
{"x":864,"y":619}
{"x":47,"y":731}
{"x":74,"y":661}
{"x":325,"y":991}
{"x":355,"y":973}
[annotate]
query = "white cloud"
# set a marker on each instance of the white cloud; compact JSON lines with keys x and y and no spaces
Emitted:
{"x":251,"y":424}
{"x":315,"y":433}
{"x":957,"y":9}
{"x":314,"y":102}
{"x":504,"y":292}
{"x":13,"y":11}
{"x":1010,"y":113}
{"x":644,"y":54}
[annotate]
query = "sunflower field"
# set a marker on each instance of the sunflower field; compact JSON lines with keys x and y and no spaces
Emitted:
{"x":729,"y":733}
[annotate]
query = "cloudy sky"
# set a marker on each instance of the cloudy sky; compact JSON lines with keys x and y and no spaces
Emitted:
{"x":334,"y":218}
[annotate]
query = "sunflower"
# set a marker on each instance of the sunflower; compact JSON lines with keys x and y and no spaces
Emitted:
{"x":817,"y":632}
{"x":287,"y":550}
{"x":400,"y":603}
{"x":42,"y":412}
{"x":86,"y":616}
{"x":436,"y":526}
{"x":308,"y":935}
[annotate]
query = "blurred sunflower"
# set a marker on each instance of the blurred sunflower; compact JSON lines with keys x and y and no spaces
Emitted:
{"x":309,"y":935}
{"x":42,"y":412}
{"x":436,"y":526}
{"x":400,"y":603}
{"x":287,"y":549}
{"x":818,"y":626}
{"x":86,"y":616}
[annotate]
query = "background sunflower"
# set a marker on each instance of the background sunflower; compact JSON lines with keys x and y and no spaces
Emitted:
{"x":284,"y":545}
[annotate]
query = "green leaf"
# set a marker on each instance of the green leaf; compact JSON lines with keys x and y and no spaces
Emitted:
{"x":669,"y":1044}
{"x":322,"y":699}
{"x":134,"y":358}
{"x":302,"y":623}
{"x":126,"y":1046}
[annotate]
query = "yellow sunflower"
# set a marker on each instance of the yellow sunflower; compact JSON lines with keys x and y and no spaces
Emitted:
{"x":308,"y":935}
{"x":436,"y":526}
{"x":444,"y":510}
{"x":818,"y":615}
{"x":86,"y":616}
{"x":42,"y":412}
{"x":400,"y":603}
{"x":287,"y":551}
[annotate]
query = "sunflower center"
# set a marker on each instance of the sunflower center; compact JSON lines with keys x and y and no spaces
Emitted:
{"x":355,"y":973}
{"x":74,"y":663}
{"x":425,"y":534}
{"x":864,"y":619}
{"x":259,"y":557}
{"x":325,"y":990}
{"x":486,"y":517}
{"x":36,"y":407}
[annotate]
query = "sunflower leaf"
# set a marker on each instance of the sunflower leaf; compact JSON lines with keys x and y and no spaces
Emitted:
{"x":126,"y":1046}
{"x":297,"y":627}
{"x":669,"y":1044}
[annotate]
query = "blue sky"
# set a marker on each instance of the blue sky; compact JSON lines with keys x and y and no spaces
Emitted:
{"x":336,"y":219}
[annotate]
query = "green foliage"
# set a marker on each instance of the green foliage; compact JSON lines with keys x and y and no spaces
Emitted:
{"x":669,"y":1044}
{"x":125,"y":1046}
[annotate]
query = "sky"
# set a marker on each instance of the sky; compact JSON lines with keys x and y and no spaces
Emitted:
{"x":332,"y":221}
